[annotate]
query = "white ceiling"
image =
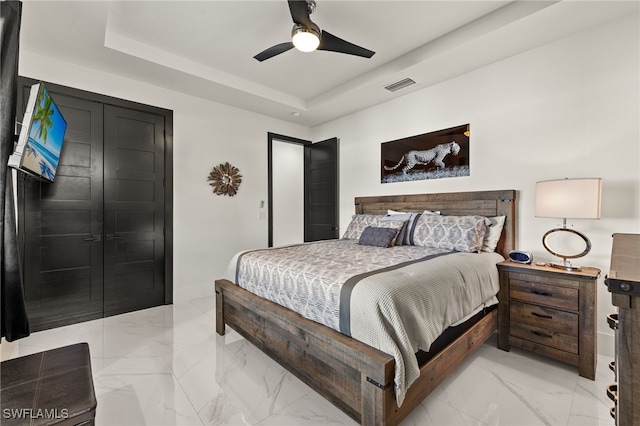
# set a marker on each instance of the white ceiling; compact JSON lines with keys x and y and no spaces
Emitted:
{"x":206,"y":48}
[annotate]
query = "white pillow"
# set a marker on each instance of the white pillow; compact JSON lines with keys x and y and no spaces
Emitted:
{"x":494,"y":231}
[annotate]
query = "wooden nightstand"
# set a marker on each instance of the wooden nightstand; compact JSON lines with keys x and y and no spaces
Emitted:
{"x":549,"y":311}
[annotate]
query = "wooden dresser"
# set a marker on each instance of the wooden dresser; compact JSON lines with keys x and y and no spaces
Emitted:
{"x":549,"y":311}
{"x":623,"y":282}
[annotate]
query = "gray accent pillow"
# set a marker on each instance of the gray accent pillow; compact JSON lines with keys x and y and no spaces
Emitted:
{"x":378,"y":237}
{"x":398,"y":225}
{"x":454,"y":233}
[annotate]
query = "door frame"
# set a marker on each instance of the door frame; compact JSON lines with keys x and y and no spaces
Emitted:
{"x":270,"y":138}
{"x":168,"y":168}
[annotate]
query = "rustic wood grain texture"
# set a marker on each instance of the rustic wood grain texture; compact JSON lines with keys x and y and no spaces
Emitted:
{"x":355,"y":377}
{"x":547,"y":318}
{"x":543,"y":294}
{"x":484,"y":203}
{"x":628,"y":410}
{"x":625,"y":265}
{"x":564,"y":296}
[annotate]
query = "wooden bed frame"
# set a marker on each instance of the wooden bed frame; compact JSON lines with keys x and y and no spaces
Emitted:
{"x":355,"y":377}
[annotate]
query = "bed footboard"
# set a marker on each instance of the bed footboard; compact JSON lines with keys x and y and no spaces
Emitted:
{"x":355,"y":377}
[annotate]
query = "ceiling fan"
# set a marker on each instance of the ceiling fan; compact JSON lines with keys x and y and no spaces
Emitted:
{"x":307,"y":36}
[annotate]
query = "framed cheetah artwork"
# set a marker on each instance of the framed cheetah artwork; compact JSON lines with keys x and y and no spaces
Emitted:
{"x":434,"y":155}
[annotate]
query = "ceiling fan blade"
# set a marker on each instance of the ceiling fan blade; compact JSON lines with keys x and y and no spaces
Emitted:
{"x":273,"y":51}
{"x":300,"y":12}
{"x":335,"y":44}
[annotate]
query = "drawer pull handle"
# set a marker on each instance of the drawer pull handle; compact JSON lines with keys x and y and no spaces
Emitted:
{"x":535,"y":314}
{"x":541,"y":293}
{"x":538,"y":333}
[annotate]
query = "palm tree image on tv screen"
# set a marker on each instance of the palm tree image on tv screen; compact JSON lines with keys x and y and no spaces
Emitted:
{"x":42,"y":150}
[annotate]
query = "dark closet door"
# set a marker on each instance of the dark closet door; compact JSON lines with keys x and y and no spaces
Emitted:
{"x":62,"y":223}
{"x":134,"y":210}
{"x":321,"y":190}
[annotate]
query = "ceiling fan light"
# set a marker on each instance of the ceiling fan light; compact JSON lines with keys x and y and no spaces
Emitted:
{"x":305,"y":39}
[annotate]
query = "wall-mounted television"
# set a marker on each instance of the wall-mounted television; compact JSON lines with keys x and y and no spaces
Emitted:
{"x":37,"y":152}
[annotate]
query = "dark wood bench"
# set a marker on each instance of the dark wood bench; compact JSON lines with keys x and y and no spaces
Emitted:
{"x":53,"y":387}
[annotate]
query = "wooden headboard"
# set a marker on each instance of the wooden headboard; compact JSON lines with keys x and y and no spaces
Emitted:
{"x":483,"y":203}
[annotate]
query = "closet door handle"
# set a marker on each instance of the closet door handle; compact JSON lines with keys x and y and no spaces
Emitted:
{"x":113,"y":237}
{"x":96,"y":237}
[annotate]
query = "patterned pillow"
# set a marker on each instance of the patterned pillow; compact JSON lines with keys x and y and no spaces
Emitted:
{"x":455,"y":233}
{"x":361,"y":221}
{"x":378,"y":237}
{"x":358,"y":223}
{"x":405,"y":236}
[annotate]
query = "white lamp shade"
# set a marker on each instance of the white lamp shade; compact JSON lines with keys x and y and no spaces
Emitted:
{"x":569,"y":198}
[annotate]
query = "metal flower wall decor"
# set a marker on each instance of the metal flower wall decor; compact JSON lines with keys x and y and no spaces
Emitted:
{"x":225,"y":179}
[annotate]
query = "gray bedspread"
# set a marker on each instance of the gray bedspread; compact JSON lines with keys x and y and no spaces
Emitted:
{"x":398,"y":299}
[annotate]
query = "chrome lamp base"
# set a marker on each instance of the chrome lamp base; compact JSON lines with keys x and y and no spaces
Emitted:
{"x":567,"y":266}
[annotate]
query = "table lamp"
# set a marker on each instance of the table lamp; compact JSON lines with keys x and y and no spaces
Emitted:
{"x":568,"y":198}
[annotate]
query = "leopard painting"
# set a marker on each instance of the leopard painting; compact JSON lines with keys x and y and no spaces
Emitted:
{"x":435,"y":155}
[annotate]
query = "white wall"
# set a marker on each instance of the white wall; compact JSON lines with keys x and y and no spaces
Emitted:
{"x":208,"y":229}
{"x":567,"y":109}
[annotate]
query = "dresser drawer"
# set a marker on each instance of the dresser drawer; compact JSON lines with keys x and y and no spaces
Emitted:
{"x":544,"y":294}
{"x":546,"y":318}
{"x":552,"y":338}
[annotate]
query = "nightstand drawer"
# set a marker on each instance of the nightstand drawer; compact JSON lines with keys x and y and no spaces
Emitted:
{"x":544,"y":294}
{"x":552,"y":338}
{"x":546,"y":318}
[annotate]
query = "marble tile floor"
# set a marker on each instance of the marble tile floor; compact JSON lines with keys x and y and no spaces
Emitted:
{"x":167,"y":366}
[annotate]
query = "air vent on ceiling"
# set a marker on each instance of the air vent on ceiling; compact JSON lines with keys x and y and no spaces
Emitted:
{"x":399,"y":85}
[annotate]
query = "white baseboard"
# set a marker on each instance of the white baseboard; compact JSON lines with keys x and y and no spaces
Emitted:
{"x":6,"y":349}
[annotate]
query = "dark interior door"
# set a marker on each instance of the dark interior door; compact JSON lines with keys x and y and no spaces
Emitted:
{"x":321,"y":190}
{"x":61,"y":223}
{"x":134,"y":210}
